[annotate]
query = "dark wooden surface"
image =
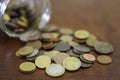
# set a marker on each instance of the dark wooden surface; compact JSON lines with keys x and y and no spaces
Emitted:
{"x":100,"y":17}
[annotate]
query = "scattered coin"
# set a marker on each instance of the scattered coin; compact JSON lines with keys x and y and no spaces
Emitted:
{"x":85,"y":65}
{"x":34,"y":36}
{"x":86,"y":61}
{"x":89,"y":57}
{"x":24,"y":51}
{"x":48,"y":45}
{"x":35,"y":44}
{"x":82,"y":48}
{"x":65,"y":31}
{"x":42,"y":61}
{"x":62,"y":46}
{"x":50,"y":28}
{"x":60,"y":57}
{"x":91,"y":40}
{"x":72,"y":54}
{"x":27,"y":67}
{"x":72,"y":63}
{"x":104,"y":47}
{"x":81,"y":34}
{"x":55,"y":70}
{"x":72,"y":43}
{"x":66,"y":38}
{"x":35,"y":52}
{"x":103,"y":59}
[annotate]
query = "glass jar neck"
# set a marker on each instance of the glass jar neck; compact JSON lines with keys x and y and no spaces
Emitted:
{"x":3,"y":5}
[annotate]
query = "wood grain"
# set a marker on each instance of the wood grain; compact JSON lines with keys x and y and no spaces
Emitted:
{"x":100,"y":17}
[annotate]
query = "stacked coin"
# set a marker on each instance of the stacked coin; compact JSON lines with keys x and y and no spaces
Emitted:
{"x":18,"y":17}
{"x":60,"y":49}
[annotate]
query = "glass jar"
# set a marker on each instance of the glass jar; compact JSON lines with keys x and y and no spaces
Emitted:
{"x":41,"y":9}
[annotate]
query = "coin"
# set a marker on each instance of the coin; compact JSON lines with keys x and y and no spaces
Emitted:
{"x":24,"y":51}
{"x":42,"y":61}
{"x":82,"y":59}
{"x":55,"y":70}
{"x":103,"y":59}
{"x":103,"y":47}
{"x":71,"y":63}
{"x":50,"y":28}
{"x":48,"y":45}
{"x":35,"y":44}
{"x":6,"y":17}
{"x":34,"y":36}
{"x":65,"y":31}
{"x":27,"y":67}
{"x":62,"y":46}
{"x":72,"y":54}
{"x":66,"y":38}
{"x":81,"y":48}
{"x":91,"y":40}
{"x":81,"y":34}
{"x":35,"y":52}
{"x":78,"y":52}
{"x":72,"y":43}
{"x":89,"y":57}
{"x":85,"y":65}
{"x":60,"y":57}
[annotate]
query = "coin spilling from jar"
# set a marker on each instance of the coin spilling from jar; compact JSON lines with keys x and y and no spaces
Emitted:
{"x":19,"y":18}
{"x":63,"y":49}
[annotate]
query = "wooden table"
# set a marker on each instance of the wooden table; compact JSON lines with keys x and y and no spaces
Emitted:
{"x":100,"y":17}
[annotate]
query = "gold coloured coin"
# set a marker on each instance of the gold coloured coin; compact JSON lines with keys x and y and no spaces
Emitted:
{"x":72,"y":63}
{"x":42,"y":61}
{"x":24,"y":51}
{"x":55,"y":70}
{"x":27,"y":67}
{"x":66,"y":38}
{"x":81,"y":34}
{"x":103,"y":59}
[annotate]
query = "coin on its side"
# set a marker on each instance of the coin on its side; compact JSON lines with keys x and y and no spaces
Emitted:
{"x":24,"y":51}
{"x":42,"y":61}
{"x":72,"y":63}
{"x":103,"y":59}
{"x":55,"y":70}
{"x":104,"y":47}
{"x":27,"y":67}
{"x":81,"y":34}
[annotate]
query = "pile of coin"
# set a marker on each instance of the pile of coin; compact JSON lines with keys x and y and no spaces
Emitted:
{"x":59,"y":49}
{"x":18,"y":17}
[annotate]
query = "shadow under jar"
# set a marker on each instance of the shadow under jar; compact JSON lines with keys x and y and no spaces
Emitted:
{"x":21,"y":17}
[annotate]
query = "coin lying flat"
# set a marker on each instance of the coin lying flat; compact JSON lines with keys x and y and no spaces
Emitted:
{"x":81,"y":34}
{"x":65,"y":31}
{"x":82,"y":59}
{"x":35,"y":52}
{"x":72,"y":63}
{"x":104,"y":47}
{"x":103,"y":59}
{"x":55,"y":70}
{"x":60,"y":57}
{"x":72,"y":54}
{"x":62,"y":46}
{"x":27,"y":67}
{"x":91,"y":40}
{"x":42,"y":61}
{"x":85,"y":65}
{"x":82,"y":48}
{"x":35,"y":44}
{"x":24,"y":51}
{"x":73,"y":43}
{"x":66,"y":38}
{"x":89,"y":57}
